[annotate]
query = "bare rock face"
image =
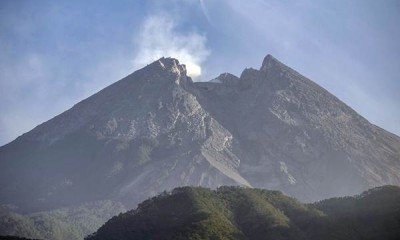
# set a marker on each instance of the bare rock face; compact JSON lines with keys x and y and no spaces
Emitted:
{"x":294,"y":136}
{"x":155,"y":130}
{"x":138,"y":137}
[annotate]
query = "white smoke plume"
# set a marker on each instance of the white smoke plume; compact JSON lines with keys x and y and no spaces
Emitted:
{"x":160,"y":38}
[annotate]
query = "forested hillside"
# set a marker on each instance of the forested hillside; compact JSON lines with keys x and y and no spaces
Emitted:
{"x":244,"y":213}
{"x":66,"y":223}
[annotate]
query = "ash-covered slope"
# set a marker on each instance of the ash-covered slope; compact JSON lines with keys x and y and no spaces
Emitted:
{"x":292,"y":135}
{"x":138,"y":137}
{"x":155,"y":130}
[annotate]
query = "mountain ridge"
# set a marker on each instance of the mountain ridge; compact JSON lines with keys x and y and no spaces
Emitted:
{"x":156,"y":129}
{"x":280,"y":84}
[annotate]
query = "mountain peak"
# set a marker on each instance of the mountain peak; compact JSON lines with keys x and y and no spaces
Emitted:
{"x":226,"y":78}
{"x":168,"y":68}
{"x":269,"y":62}
{"x":169,"y":64}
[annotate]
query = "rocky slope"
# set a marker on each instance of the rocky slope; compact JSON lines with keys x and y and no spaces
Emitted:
{"x":155,"y":130}
{"x":291,"y":134}
{"x":238,"y":214}
{"x":139,"y":136}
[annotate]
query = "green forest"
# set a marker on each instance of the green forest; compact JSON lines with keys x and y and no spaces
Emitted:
{"x":65,"y":223}
{"x":242,"y":213}
{"x":227,"y":213}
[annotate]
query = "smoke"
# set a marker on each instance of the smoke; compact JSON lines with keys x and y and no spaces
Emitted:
{"x":159,"y":37}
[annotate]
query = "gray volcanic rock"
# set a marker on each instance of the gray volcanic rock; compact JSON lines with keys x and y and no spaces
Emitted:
{"x":155,"y":130}
{"x":138,"y":137}
{"x":293,"y":135}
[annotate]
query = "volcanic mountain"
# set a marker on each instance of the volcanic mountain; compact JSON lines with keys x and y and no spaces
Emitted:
{"x":156,"y":129}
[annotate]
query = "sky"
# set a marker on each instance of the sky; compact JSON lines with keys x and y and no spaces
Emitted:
{"x":54,"y":54}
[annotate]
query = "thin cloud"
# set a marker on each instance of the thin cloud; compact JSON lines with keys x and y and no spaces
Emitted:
{"x":205,"y":10}
{"x":159,"y":37}
{"x":322,"y":50}
{"x":26,"y":87}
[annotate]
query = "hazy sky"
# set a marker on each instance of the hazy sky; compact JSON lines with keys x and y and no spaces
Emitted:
{"x":56,"y":53}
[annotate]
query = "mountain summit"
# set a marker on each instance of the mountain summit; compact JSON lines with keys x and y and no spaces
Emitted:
{"x":156,"y":129}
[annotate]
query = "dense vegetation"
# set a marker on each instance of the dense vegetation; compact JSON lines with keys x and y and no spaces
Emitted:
{"x":66,"y":223}
{"x":242,"y":213}
{"x":13,"y":238}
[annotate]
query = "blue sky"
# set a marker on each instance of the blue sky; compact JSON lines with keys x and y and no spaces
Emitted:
{"x":56,"y":53}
